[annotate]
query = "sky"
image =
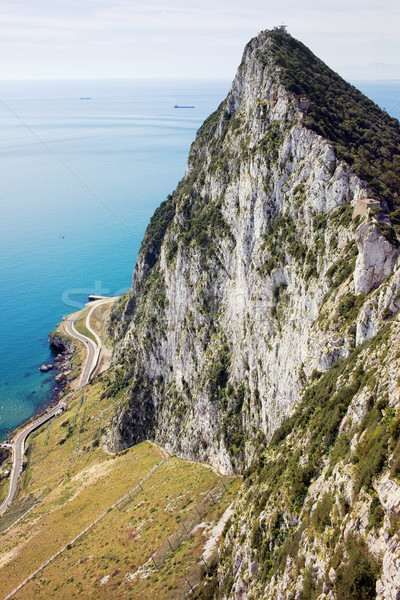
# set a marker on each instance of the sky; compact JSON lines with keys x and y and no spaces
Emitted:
{"x":64,"y":39}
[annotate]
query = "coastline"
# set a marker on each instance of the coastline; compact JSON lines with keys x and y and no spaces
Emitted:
{"x":66,"y":349}
{"x":64,"y":390}
{"x":69,"y":367}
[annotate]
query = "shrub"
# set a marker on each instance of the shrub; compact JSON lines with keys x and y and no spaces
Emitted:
{"x":356,"y":579}
{"x":321,"y":517}
{"x":394,"y":428}
{"x":388,"y":233}
{"x":395,"y":468}
{"x":310,"y":590}
{"x":155,"y":232}
{"x":376,"y":514}
{"x":386,"y":314}
{"x":370,"y":457}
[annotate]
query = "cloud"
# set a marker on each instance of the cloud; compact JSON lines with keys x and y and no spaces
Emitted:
{"x":211,"y":34}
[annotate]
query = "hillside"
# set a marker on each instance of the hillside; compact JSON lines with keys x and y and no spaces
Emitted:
{"x":267,"y":287}
{"x":260,"y":336}
{"x":119,"y":524}
{"x":224,"y":321}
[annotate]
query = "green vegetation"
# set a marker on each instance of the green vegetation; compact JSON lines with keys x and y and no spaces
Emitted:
{"x":395,"y":220}
{"x":79,"y":350}
{"x":117,"y":311}
{"x":349,"y":306}
{"x":204,"y":224}
{"x":155,"y":232}
{"x":344,"y":267}
{"x":311,"y":589}
{"x":115,"y":383}
{"x":376,"y":512}
{"x":208,"y":588}
{"x":5,"y":465}
{"x":342,"y":217}
{"x":5,"y":456}
{"x":388,"y":232}
{"x":356,"y":578}
{"x":120,"y":548}
{"x":280,"y":236}
{"x":80,"y":325}
{"x":206,"y":133}
{"x":77,"y":482}
{"x":272,"y":141}
{"x":219,"y":372}
{"x":232,"y":427}
{"x":321,"y":517}
{"x":363,"y":135}
{"x":371,"y":453}
{"x":299,"y":449}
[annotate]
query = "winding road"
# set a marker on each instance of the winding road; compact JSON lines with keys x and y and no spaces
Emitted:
{"x":93,"y":349}
{"x":92,"y":359}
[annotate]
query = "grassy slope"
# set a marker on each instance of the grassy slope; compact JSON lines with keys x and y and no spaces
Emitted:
{"x":125,"y":539}
{"x":80,"y":325}
{"x":76,"y":482}
{"x":98,"y":323}
{"x":5,"y":465}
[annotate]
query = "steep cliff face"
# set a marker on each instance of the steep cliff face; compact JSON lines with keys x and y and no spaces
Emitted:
{"x":261,"y":330}
{"x":248,"y":272}
{"x":319,"y":513}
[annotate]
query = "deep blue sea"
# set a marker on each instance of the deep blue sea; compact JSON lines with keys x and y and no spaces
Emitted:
{"x":83,"y":165}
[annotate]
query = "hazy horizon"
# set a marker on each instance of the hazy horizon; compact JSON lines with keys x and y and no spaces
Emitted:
{"x":182,"y":39}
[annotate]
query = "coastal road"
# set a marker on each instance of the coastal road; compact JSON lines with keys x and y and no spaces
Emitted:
{"x":18,"y":444}
{"x":93,"y":349}
{"x":18,"y":449}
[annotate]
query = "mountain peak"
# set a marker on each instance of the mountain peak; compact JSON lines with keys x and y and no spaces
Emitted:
{"x":362,"y":134}
{"x":260,"y":313}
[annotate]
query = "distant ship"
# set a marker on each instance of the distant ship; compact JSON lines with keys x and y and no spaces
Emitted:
{"x":177,"y":106}
{"x":83,"y":98}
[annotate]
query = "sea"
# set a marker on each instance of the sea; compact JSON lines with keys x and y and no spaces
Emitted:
{"x":83,"y":165}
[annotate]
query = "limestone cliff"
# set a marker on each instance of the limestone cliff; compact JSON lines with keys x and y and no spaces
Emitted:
{"x":267,"y":287}
{"x":222,"y":328}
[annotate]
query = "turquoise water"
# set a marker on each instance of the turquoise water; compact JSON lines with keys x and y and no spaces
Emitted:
{"x":80,"y":180}
{"x":125,"y":150}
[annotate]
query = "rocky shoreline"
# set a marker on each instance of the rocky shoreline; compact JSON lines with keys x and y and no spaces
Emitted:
{"x":63,"y":364}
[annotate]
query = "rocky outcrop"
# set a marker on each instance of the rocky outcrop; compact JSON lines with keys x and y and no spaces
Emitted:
{"x":323,"y":521}
{"x":376,"y":258}
{"x":60,"y":342}
{"x":62,"y":362}
{"x":47,"y":367}
{"x":380,"y":306}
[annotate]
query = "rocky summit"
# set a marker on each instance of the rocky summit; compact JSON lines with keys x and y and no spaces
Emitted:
{"x":261,"y":333}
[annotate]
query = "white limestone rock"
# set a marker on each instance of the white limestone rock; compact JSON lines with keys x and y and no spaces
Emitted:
{"x":376,"y":258}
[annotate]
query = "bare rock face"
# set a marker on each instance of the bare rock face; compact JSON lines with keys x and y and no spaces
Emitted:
{"x":381,"y":304}
{"x":388,"y":585}
{"x":254,"y":299}
{"x":376,"y":258}
{"x":222,"y":327}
